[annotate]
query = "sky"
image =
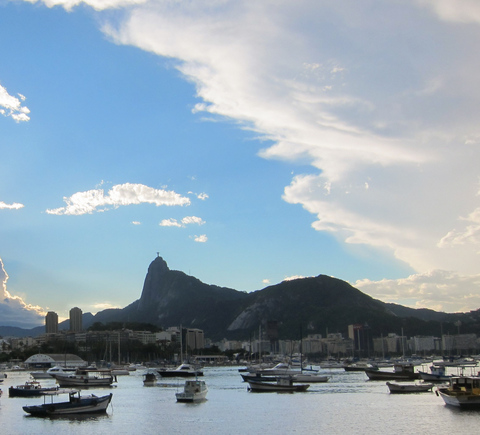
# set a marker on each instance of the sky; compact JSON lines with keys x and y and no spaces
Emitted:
{"x":244,"y":142}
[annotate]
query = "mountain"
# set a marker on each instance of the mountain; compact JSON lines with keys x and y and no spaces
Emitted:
{"x":318,"y":304}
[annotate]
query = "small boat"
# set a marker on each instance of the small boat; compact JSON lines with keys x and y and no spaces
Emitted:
{"x":257,"y":377}
{"x":279,"y":370}
{"x":193,"y":391}
{"x":149,"y":379}
{"x":462,"y":392}
{"x":283,"y":384}
{"x":86,"y":378}
{"x":405,"y":388}
{"x":29,"y":389}
{"x":76,"y":404}
{"x":437,"y":374}
{"x":309,"y":377}
{"x":48,"y":374}
{"x":359,"y":366}
{"x":183,"y":371}
{"x":402,"y":371}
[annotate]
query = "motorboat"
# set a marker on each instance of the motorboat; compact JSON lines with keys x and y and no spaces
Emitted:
{"x":405,"y":388}
{"x":29,"y":389}
{"x":48,"y":374}
{"x":86,"y":378}
{"x":401,"y":371}
{"x":257,"y":377}
{"x":76,"y":404}
{"x":309,"y":377}
{"x":193,"y":391}
{"x":149,"y":379}
{"x":359,"y":366}
{"x":437,"y":374}
{"x":282,"y":384}
{"x":462,"y":392}
{"x":183,"y":370}
{"x":279,"y":369}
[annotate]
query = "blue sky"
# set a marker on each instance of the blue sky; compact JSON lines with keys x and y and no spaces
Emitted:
{"x":246,"y":142}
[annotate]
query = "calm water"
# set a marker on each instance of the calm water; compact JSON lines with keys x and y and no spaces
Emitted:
{"x":347,"y":404}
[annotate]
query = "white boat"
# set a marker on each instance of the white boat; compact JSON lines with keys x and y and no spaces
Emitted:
{"x":183,"y":371}
{"x":309,"y":377}
{"x":278,"y":370}
{"x":437,"y":374}
{"x":462,"y":392}
{"x":193,"y":391}
{"x":283,"y":384}
{"x":48,"y":374}
{"x":406,"y":388}
{"x":86,"y":378}
{"x":76,"y":404}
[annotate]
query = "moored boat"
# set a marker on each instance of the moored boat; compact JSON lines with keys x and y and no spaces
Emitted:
{"x":406,"y":388}
{"x":462,"y":392}
{"x":48,"y":374}
{"x":29,"y":389}
{"x":437,"y":374}
{"x":193,"y":391}
{"x":149,"y":379}
{"x":283,"y":384}
{"x":400,"y":372}
{"x":86,"y":378}
{"x":183,"y":370}
{"x":76,"y":404}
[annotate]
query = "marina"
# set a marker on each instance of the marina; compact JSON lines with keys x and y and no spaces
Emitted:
{"x":347,"y":402}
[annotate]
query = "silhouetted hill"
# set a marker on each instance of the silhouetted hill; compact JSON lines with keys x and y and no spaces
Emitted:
{"x":318,"y":305}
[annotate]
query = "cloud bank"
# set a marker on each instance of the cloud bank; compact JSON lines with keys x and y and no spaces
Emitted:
{"x":119,"y":195}
{"x":380,"y":100}
{"x":14,"y":311}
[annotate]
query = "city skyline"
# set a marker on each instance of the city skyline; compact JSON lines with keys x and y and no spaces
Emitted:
{"x":245,"y":142}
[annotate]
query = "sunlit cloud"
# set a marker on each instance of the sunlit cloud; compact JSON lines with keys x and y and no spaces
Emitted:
{"x":293,"y":277}
{"x":201,"y":239}
{"x":439,"y":290}
{"x":120,"y":195}
{"x":14,"y":206}
{"x":136,"y":223}
{"x":188,"y":220}
{"x":14,"y":311}
{"x":12,"y":106}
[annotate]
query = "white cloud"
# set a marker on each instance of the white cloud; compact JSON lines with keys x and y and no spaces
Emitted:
{"x":119,"y":195}
{"x":14,"y":311}
{"x":187,"y":220}
{"x":293,"y":277}
{"x":202,"y":196}
{"x":136,"y":223}
{"x":170,"y":223}
{"x":201,"y":239}
{"x":14,"y":206}
{"x":439,"y":290}
{"x":368,"y":97}
{"x":12,"y":106}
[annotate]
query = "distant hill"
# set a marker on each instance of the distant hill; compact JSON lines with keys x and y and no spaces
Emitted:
{"x":319,"y":305}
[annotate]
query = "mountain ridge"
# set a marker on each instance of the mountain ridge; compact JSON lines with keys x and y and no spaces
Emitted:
{"x":320,"y":304}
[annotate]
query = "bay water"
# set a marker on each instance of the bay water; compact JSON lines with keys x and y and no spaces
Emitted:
{"x":347,"y":404}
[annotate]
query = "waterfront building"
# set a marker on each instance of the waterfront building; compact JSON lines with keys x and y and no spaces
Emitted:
{"x":51,"y":323}
{"x":76,"y":319}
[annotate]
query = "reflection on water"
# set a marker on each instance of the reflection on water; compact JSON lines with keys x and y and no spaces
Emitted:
{"x":347,"y":403}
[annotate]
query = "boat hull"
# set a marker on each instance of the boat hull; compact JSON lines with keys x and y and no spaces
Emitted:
{"x":379,"y":375}
{"x":25,"y":392}
{"x":409,"y":388}
{"x":80,"y":381}
{"x":263,"y":387}
{"x":91,"y":405}
{"x":460,"y":401}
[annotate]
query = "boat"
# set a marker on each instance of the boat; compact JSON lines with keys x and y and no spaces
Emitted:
{"x":48,"y":374}
{"x":193,"y":391}
{"x":257,"y":377}
{"x":282,"y":384}
{"x":359,"y":366}
{"x":401,"y":371}
{"x":278,"y":370}
{"x":29,"y":389}
{"x":183,"y":370}
{"x":76,"y":404}
{"x":309,"y":377}
{"x":149,"y":379}
{"x":405,"y":388}
{"x":86,"y":378}
{"x":437,"y":374}
{"x":462,"y":392}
